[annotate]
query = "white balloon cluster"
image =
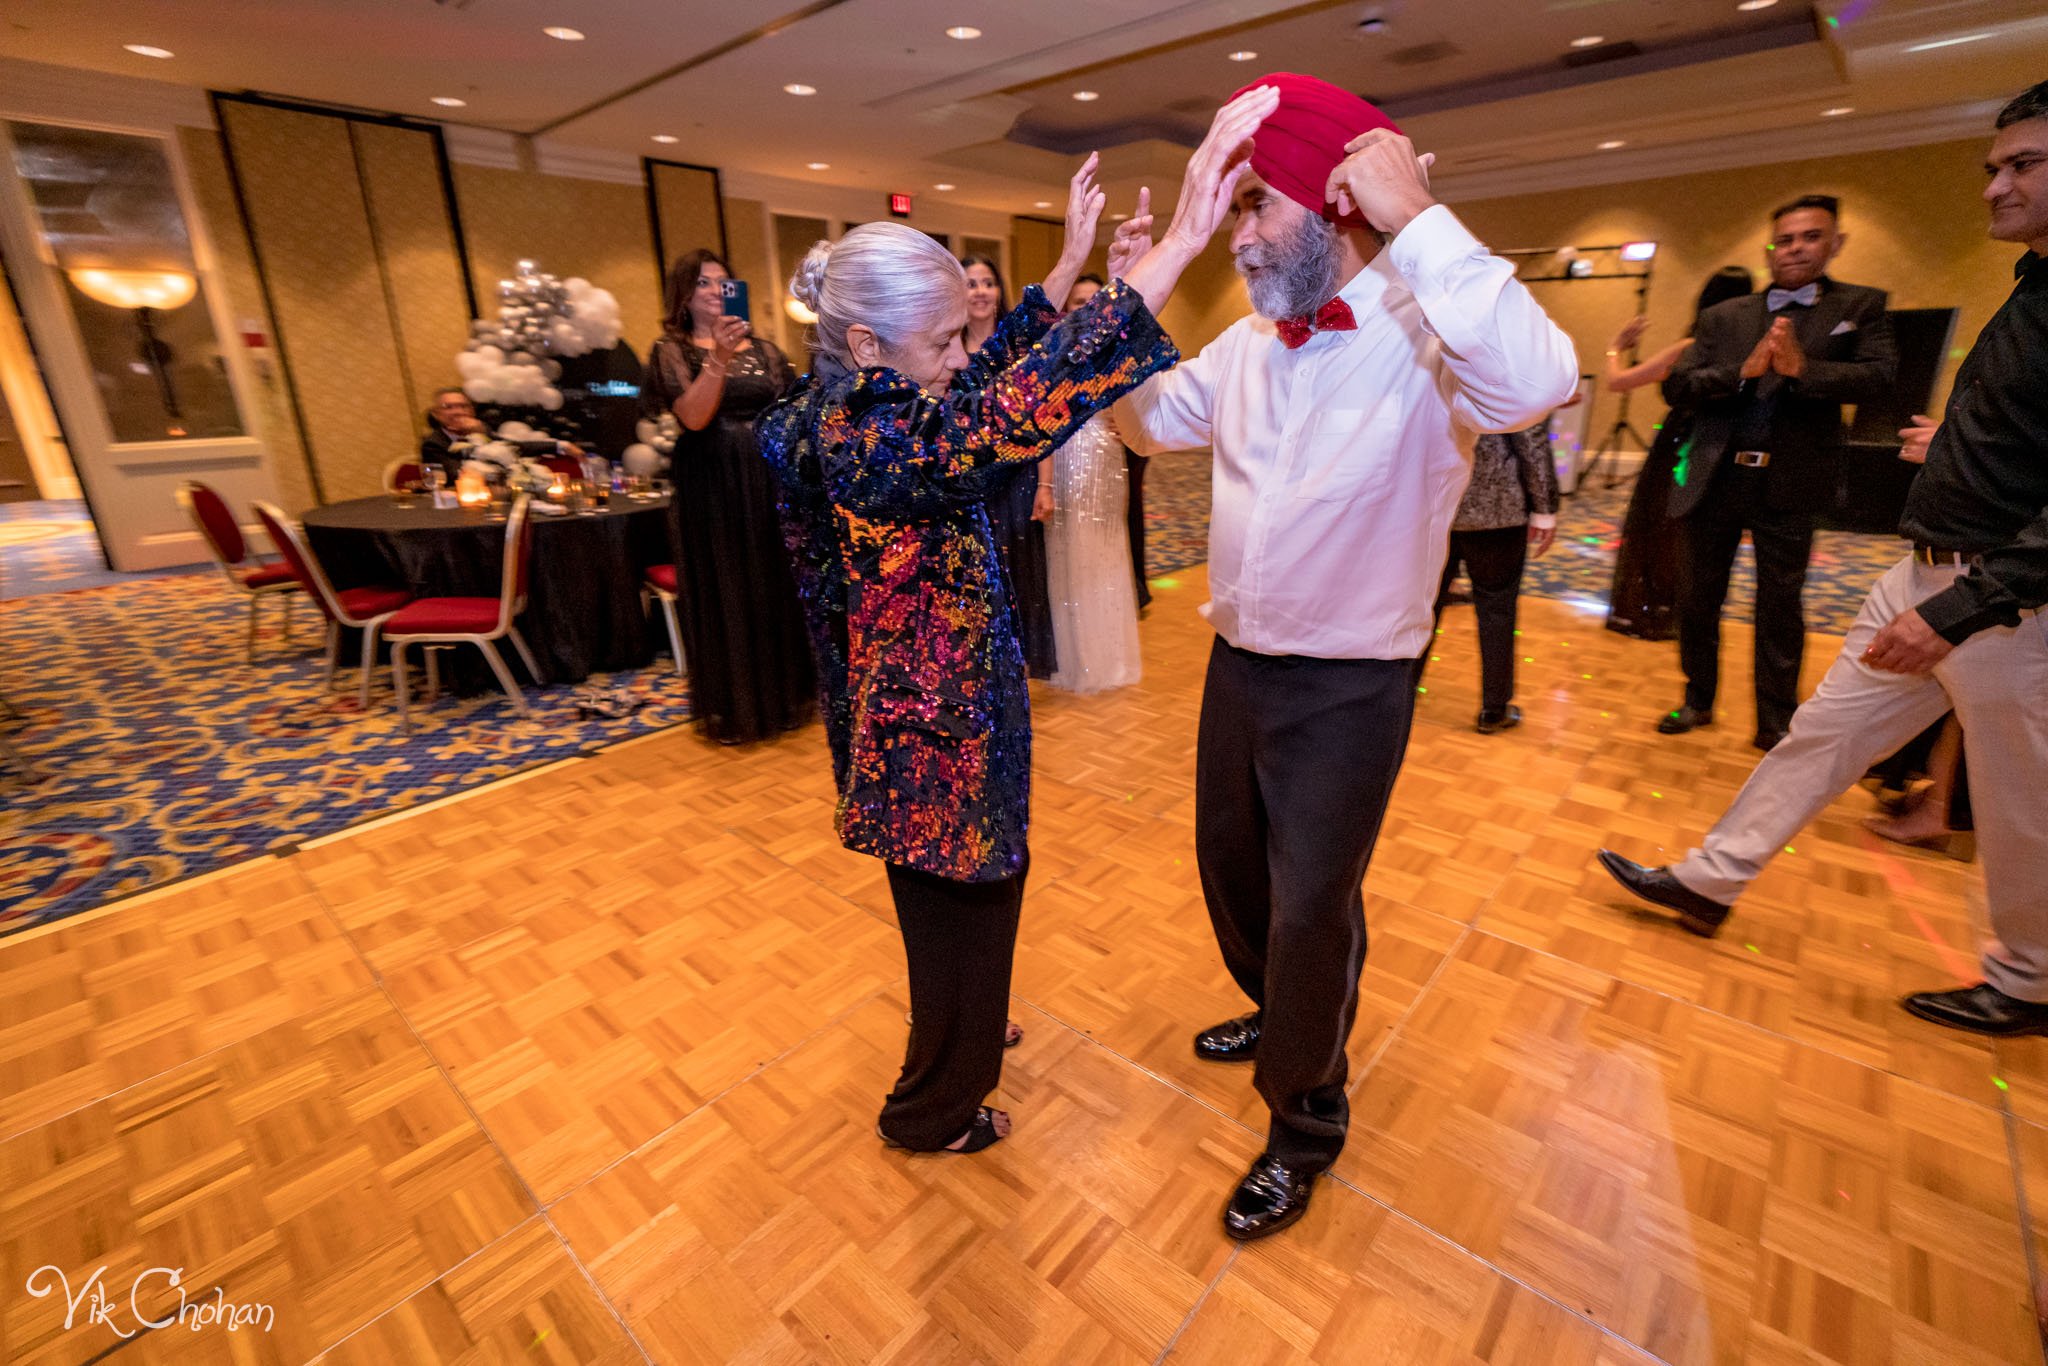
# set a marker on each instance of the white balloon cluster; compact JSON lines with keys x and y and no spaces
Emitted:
{"x":650,"y":454}
{"x":512,"y":360}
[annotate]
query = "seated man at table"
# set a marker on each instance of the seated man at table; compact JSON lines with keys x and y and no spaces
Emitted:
{"x":453,"y":429}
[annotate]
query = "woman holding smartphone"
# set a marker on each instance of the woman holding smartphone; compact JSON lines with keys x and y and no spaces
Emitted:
{"x":743,"y":631}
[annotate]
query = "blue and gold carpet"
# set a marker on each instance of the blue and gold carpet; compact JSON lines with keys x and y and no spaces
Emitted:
{"x":162,"y":754}
{"x":49,"y":546}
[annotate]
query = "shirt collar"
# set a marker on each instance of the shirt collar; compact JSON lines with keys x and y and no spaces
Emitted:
{"x":2027,"y":264}
{"x":1368,"y":288}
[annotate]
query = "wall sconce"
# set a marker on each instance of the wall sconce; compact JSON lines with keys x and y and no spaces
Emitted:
{"x":159,"y":289}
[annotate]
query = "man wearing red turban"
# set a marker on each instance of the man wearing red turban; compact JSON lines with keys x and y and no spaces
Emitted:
{"x":1342,"y":414}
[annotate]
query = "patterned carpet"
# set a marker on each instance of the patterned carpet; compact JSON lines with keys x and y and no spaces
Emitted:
{"x":163,"y":754}
{"x":50,"y":547}
{"x":1578,"y":569}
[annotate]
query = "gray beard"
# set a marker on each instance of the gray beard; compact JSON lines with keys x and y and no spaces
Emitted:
{"x":1296,"y":276}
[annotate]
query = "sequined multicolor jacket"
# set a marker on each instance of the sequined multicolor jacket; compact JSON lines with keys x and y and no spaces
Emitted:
{"x":920,"y":672}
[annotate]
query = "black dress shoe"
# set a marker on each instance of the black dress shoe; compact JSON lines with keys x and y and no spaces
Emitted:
{"x":1493,"y":722}
{"x":1271,"y":1196}
{"x":1657,"y":886}
{"x":1981,"y":1009}
{"x":1232,"y":1041}
{"x":1684,"y":719}
{"x":1767,"y":740}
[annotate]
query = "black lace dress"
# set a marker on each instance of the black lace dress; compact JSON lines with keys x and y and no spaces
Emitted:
{"x":1643,"y":600}
{"x":749,"y":658}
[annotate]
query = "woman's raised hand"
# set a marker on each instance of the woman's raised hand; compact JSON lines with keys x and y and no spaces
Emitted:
{"x":1084,"y":208}
{"x":1133,"y":237}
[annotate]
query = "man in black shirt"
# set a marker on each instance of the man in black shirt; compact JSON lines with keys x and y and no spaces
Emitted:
{"x":1766,"y":377}
{"x":1957,"y":624}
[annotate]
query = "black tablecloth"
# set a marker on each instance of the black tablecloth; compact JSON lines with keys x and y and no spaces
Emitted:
{"x":584,"y":613}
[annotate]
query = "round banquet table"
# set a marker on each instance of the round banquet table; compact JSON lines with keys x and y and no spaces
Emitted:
{"x":584,"y":613}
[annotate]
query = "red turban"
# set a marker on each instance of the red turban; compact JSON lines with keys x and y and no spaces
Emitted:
{"x":1302,"y":141}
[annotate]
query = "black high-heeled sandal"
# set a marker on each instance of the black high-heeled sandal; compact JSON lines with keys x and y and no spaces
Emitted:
{"x":980,"y":1134}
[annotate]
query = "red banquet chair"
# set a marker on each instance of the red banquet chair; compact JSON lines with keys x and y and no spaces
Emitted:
{"x":401,"y":472}
{"x":248,"y":575}
{"x":660,"y":580}
{"x":568,"y":466}
{"x":366,"y":608}
{"x":472,"y":621}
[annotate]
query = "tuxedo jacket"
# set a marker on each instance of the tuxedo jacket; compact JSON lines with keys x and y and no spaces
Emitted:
{"x":1851,"y":357}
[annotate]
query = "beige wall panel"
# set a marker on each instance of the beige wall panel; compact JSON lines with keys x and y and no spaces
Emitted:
{"x":235,"y":271}
{"x":416,"y":243}
{"x":312,"y":236}
{"x":746,"y":228}
{"x":687,"y":201}
{"x":591,"y":228}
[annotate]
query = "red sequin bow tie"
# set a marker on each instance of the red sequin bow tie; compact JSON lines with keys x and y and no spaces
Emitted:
{"x":1334,"y":316}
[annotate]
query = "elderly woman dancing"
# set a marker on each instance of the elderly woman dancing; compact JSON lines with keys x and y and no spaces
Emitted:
{"x":886,"y":458}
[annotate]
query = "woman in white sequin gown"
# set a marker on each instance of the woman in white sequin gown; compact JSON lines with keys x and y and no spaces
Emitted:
{"x":1088,"y":564}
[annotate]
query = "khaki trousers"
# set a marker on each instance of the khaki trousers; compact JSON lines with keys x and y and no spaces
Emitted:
{"x":1997,"y":684}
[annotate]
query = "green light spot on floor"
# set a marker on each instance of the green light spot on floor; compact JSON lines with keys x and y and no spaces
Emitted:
{"x":1752,"y":948}
{"x":1586,"y":676}
{"x":1999,"y":1082}
{"x":1590,"y":540}
{"x":1528,"y":659}
{"x":1658,"y":795}
{"x":1436,"y":659}
{"x":1518,"y":635}
{"x":1423,"y":691}
{"x":1168,"y":584}
{"x":1790,"y":850}
{"x":1834,"y":22}
{"x":1956,"y":353}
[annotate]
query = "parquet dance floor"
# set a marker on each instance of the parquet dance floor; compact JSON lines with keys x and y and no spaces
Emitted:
{"x":583,"y":1068}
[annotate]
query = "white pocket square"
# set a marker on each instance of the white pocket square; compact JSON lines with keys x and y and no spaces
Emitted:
{"x":1844,"y":326}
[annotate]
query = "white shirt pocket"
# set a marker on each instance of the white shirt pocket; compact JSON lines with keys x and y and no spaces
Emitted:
{"x":1346,"y":455}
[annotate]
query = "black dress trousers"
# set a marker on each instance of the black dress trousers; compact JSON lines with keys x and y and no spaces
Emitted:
{"x":1783,"y":539}
{"x":1295,"y":761}
{"x":960,"y":939}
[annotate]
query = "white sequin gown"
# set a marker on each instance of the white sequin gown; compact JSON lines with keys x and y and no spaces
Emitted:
{"x":1088,"y":564}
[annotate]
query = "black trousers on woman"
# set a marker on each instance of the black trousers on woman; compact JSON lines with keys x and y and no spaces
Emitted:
{"x":960,"y":939}
{"x":1493,"y":560}
{"x":1294,"y":763}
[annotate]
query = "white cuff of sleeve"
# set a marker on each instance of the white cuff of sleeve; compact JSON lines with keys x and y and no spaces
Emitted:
{"x":1433,"y":238}
{"x":1543,"y":521}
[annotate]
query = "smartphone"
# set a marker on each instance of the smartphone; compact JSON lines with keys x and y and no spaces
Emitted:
{"x":735,"y":295}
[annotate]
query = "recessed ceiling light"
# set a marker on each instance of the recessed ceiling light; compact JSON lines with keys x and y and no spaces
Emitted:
{"x":1042,"y":204}
{"x":1838,"y":111}
{"x":1756,"y":4}
{"x":665,"y":137}
{"x":567,"y":35}
{"x":797,"y":89}
{"x":1086,"y":95}
{"x":1949,"y":42}
{"x":1243,"y":56}
{"x":1119,"y":217}
{"x":1590,"y":40}
{"x":943,"y":185}
{"x":963,"y":32}
{"x":449,"y":102}
{"x":145,"y":50}
{"x":1611,"y":144}
{"x":819,"y":165}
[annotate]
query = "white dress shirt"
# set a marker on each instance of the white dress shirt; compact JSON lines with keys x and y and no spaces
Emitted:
{"x":1340,"y":465}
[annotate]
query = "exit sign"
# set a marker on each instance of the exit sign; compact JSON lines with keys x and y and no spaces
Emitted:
{"x":899,"y":206}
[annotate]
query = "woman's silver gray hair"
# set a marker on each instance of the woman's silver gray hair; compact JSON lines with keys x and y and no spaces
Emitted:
{"x":888,"y":276}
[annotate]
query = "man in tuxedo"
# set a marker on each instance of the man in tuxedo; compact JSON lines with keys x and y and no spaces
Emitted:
{"x":1766,"y":377}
